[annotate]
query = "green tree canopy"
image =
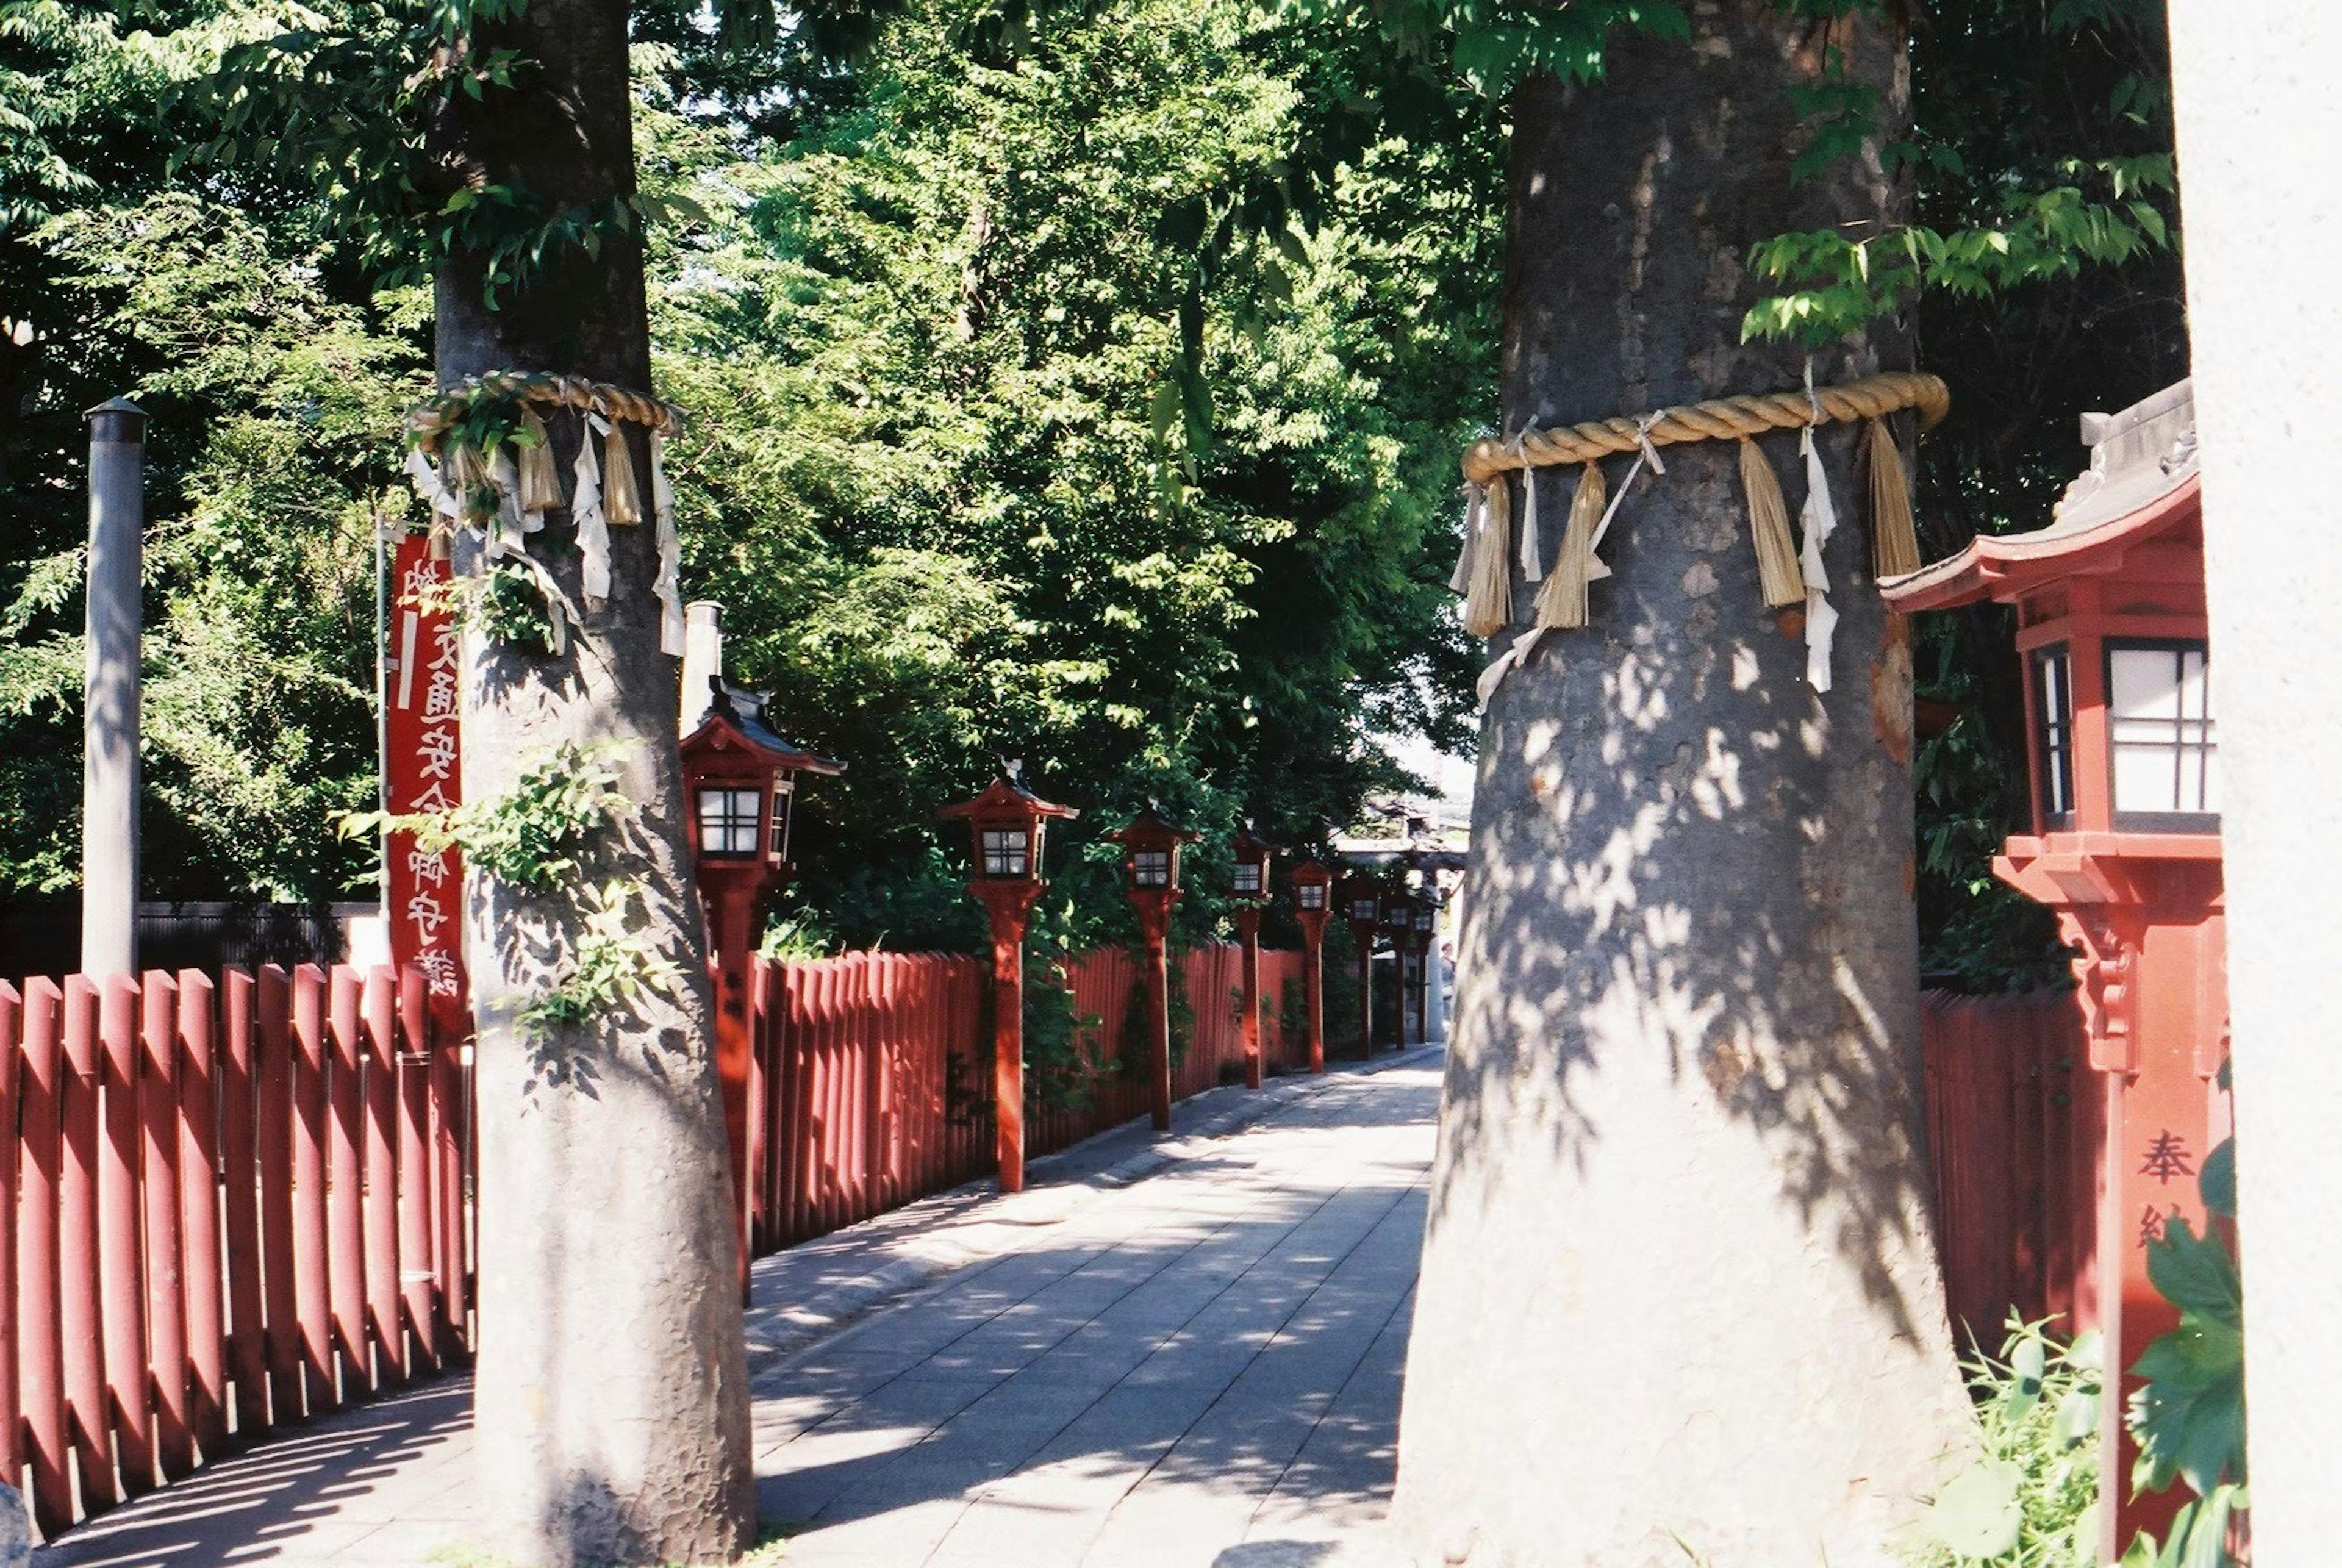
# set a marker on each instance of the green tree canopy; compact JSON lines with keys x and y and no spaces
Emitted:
{"x":1006,"y":440}
{"x":1077,"y":384}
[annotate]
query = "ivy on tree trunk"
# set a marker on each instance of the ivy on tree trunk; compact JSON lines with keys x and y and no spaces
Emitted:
{"x":612,"y":1399}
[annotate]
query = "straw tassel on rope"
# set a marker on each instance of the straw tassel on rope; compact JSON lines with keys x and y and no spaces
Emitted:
{"x":1893,"y":536}
{"x":540,"y":480}
{"x":1561,"y":602}
{"x":1488,"y":606}
{"x":621,"y":501}
{"x":1778,"y":575}
{"x":1787,"y":576}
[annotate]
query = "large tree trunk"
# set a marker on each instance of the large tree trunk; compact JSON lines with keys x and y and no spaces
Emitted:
{"x":2258,"y":121}
{"x":1679,"y":1299}
{"x":612,"y":1402}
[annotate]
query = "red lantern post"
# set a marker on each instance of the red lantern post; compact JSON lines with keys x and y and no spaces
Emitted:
{"x":740,"y":779}
{"x":1008,"y":824}
{"x":2125,"y":847}
{"x":1362,"y":906}
{"x":1426,"y":926}
{"x":1312,"y":886}
{"x":1249,"y":884}
{"x":1398,"y":925}
{"x":1150,"y":866}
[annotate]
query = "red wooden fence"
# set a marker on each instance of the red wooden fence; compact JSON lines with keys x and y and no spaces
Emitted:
{"x":223,"y":1207}
{"x":2016,"y":1125}
{"x":226,"y":1207}
{"x":871,"y":1089}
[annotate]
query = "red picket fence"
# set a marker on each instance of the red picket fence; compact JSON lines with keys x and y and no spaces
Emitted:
{"x":1106,"y":986}
{"x":229,"y":1206}
{"x":223,"y":1207}
{"x":2016,"y":1125}
{"x":854,"y":1109}
{"x":872,"y":1087}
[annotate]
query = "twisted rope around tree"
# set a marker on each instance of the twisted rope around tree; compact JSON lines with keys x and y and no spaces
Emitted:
{"x":1716,"y":419}
{"x":1786,"y":575}
{"x":431,"y":418}
{"x":514,"y":487}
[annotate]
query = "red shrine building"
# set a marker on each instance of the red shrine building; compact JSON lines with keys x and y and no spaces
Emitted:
{"x":2124,"y":754}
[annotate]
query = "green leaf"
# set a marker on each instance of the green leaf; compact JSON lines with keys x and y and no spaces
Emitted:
{"x":2031,"y":1360}
{"x":2217,"y":1180}
{"x":2189,"y":1415}
{"x":2077,"y":1419}
{"x":1978,"y":1516}
{"x":2196,"y":1273}
{"x":2208,"y":1534}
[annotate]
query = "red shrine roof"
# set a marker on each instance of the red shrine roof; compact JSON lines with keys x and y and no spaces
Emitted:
{"x":2142,"y":482}
{"x":743,"y":714}
{"x":1007,"y":795}
{"x":1150,"y":826}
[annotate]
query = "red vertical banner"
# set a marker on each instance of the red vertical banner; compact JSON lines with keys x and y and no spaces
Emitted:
{"x":422,"y":703}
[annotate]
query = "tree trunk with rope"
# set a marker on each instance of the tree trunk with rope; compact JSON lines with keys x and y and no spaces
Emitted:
{"x":611,"y":1404}
{"x":1680,"y":1301}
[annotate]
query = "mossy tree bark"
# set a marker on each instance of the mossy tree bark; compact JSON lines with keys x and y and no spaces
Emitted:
{"x":1679,"y":1291}
{"x":612,"y":1402}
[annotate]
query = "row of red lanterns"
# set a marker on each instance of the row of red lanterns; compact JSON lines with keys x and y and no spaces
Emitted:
{"x":740,"y":779}
{"x":1008,"y":828}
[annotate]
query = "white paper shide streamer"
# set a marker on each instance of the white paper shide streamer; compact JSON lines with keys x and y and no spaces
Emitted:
{"x":512,"y":529}
{"x":429,"y":487}
{"x":1818,"y":518}
{"x":1532,"y":542}
{"x":585,"y":511}
{"x":669,"y":586}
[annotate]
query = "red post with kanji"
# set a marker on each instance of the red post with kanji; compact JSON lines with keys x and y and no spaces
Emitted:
{"x":423,"y":705}
{"x":2125,"y":847}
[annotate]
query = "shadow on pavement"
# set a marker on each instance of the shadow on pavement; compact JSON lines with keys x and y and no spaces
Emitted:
{"x":345,"y":1478}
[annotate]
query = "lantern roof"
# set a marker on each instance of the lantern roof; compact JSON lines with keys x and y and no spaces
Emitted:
{"x":1249,"y":845}
{"x":736,"y":717}
{"x":2143,"y":483}
{"x":1150,"y":829}
{"x":1007,"y":796}
{"x":1311,"y":870}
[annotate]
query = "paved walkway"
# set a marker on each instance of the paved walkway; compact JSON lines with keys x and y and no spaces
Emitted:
{"x":1165,"y":1356}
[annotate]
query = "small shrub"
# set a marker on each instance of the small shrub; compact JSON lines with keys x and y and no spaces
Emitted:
{"x":796,"y":938}
{"x":2030,"y":1501}
{"x":1292,"y":1012}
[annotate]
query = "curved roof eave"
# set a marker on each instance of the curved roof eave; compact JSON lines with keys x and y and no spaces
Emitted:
{"x":2002,"y":565}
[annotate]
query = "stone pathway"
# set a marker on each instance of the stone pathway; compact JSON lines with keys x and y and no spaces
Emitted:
{"x":1200,"y":1367}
